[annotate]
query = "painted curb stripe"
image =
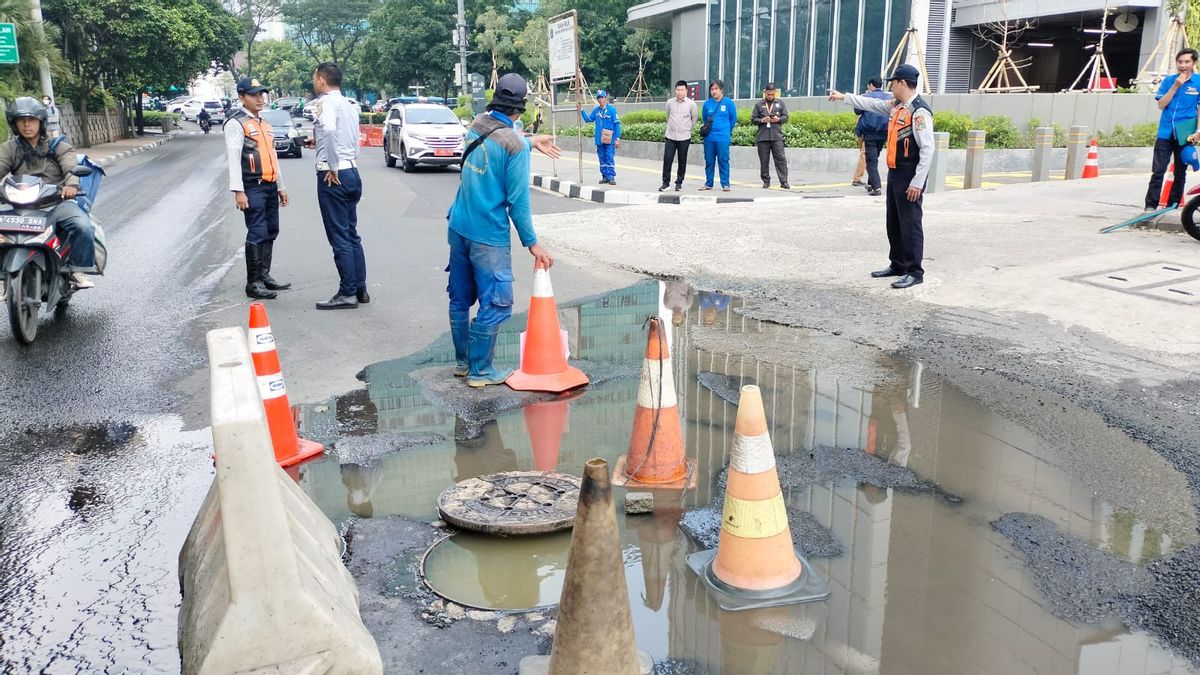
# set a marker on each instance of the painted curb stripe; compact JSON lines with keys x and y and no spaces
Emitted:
{"x":754,"y":519}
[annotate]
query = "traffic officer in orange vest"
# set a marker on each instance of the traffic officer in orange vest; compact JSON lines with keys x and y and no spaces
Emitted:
{"x":909,"y":155}
{"x":256,"y":184}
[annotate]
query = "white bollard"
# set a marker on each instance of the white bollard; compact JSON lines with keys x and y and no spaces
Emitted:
{"x":264,"y":588}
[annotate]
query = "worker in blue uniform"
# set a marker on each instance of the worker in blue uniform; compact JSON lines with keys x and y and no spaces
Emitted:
{"x":607,"y":135}
{"x":492,"y":198}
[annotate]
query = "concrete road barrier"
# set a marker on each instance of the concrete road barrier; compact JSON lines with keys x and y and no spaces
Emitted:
{"x":264,"y":588}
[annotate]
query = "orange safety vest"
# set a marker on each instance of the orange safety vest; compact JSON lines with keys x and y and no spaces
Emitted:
{"x":259,"y":161}
{"x":902,"y":149}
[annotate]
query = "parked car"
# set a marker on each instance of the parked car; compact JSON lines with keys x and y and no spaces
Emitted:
{"x":289,"y":140}
{"x":310,"y":110}
{"x":192,"y":108}
{"x":176,"y":105}
{"x":422,"y":133}
{"x":292,"y":104}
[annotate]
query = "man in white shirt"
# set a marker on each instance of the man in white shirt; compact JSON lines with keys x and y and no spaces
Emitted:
{"x":339,"y":187}
{"x":681,"y":119}
{"x":257,"y":186}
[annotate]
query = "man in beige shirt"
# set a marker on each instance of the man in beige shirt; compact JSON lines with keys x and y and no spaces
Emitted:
{"x":681,"y":119}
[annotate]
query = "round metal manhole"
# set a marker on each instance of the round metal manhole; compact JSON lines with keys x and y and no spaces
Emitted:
{"x":512,"y":503}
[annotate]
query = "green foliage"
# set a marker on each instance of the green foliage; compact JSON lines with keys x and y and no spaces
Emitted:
{"x":532,"y":47}
{"x":154,"y":118}
{"x":371,"y":118}
{"x":495,"y":37}
{"x":639,"y":116}
{"x":335,"y":29}
{"x":464,"y":111}
{"x":821,"y":122}
{"x":408,"y":45}
{"x":1001,"y":131}
{"x":1138,"y":136}
{"x":252,"y":16}
{"x":281,"y":65}
{"x":1060,"y":136}
{"x":955,"y":124}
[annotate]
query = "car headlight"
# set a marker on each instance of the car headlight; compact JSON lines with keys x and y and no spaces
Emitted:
{"x":22,"y":194}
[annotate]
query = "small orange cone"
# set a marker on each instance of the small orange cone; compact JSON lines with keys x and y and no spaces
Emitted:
{"x":1168,"y":183}
{"x":545,"y":423}
{"x":656,"y":454}
{"x":289,"y":447}
{"x":756,"y":564}
{"x":543,"y":359}
{"x":1091,"y":168}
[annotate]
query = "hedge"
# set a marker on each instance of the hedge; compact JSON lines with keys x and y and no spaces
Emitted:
{"x":154,"y":118}
{"x":813,"y":129}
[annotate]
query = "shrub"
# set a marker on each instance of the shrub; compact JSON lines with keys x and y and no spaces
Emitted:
{"x":1060,"y":136}
{"x":371,"y":118}
{"x":1001,"y":132}
{"x":823,"y":122}
{"x":640,"y":116}
{"x":956,"y":124}
{"x":1138,"y":136}
{"x":154,"y":118}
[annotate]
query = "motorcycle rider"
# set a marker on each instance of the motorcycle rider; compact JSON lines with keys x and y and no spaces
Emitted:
{"x":28,"y":153}
{"x":204,"y":120}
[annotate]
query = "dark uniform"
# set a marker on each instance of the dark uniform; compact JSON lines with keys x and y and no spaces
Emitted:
{"x":909,"y":155}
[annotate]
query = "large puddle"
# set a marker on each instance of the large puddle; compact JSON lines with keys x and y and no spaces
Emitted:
{"x":924,"y":584}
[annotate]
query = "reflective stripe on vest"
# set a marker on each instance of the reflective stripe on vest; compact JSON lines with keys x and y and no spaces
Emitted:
{"x":258,"y":152}
{"x":902,"y":148}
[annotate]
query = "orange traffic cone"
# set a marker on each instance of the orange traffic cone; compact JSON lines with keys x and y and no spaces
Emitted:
{"x":755,"y":564}
{"x":1091,"y":168}
{"x":1168,"y":183}
{"x":656,"y":454}
{"x":289,"y":447}
{"x":545,"y":423}
{"x":543,"y":359}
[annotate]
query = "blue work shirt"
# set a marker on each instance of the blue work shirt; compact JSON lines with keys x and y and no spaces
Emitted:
{"x":1182,"y":106}
{"x":495,"y":185}
{"x":724,"y":118}
{"x":604,"y":118}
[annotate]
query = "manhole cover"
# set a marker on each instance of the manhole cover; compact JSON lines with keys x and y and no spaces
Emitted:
{"x":513,"y":502}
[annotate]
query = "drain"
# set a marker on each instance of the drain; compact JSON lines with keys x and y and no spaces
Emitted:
{"x":512,"y":503}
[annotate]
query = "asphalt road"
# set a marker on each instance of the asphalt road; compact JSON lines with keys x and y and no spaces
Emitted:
{"x":103,"y":446}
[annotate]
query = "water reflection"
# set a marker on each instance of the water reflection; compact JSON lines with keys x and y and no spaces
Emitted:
{"x":924,"y":586}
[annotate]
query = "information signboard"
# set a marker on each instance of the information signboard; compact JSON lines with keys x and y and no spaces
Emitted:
{"x":8,"y":44}
{"x":563,"y":48}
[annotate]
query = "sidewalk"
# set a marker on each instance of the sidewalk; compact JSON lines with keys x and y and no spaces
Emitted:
{"x":107,"y":154}
{"x":638,"y":181}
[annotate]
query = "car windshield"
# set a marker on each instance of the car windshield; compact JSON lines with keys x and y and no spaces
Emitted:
{"x":212,"y":104}
{"x":430,"y":116}
{"x":277,"y":118}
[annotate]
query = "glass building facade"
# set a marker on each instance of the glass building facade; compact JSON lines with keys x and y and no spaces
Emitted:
{"x":804,"y":46}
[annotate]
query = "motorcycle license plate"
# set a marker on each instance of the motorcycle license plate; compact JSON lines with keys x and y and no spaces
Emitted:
{"x":15,"y":223}
{"x":443,"y":153}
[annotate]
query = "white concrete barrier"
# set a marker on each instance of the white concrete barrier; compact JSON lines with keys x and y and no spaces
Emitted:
{"x":264,"y":588}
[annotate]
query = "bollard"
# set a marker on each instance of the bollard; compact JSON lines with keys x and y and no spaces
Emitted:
{"x":168,"y":124}
{"x":937,"y":170}
{"x":1043,"y":147}
{"x":1076,"y":152}
{"x":973,"y":173}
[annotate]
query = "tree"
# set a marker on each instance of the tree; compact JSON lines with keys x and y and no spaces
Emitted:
{"x":34,"y":45}
{"x":531,"y":44}
{"x":282,"y":66}
{"x":410,"y":44}
{"x":331,"y":29}
{"x":1005,"y":73}
{"x":253,"y":15}
{"x":127,"y":47}
{"x":495,"y":38}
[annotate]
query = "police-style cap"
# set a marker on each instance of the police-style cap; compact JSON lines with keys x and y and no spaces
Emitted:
{"x":905,"y":72}
{"x":250,"y":85}
{"x":770,"y":87}
{"x":511,"y":91}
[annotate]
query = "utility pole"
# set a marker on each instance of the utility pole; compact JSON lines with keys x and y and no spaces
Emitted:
{"x":460,"y":41}
{"x":35,"y":13}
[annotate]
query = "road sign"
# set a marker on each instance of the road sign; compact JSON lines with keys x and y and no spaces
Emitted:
{"x":563,"y":48}
{"x":8,"y":44}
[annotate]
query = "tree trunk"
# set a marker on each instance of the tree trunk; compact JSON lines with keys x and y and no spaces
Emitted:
{"x":137,"y":112}
{"x":83,"y":116}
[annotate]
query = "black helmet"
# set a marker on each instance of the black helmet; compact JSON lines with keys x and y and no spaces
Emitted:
{"x":510,"y":93}
{"x":25,"y":106}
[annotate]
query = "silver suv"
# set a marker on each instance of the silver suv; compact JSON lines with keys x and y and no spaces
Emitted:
{"x":422,"y":133}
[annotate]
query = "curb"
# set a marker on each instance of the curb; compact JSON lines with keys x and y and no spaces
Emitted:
{"x":1168,"y":222}
{"x":588,"y":193}
{"x":113,"y":159}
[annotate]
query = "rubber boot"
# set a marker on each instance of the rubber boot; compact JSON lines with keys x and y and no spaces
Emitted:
{"x":481,"y":348}
{"x":268,"y":251}
{"x":460,"y":334}
{"x":254,"y":284}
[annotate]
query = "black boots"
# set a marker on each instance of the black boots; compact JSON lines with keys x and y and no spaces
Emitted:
{"x":268,"y":249}
{"x":255,"y":288}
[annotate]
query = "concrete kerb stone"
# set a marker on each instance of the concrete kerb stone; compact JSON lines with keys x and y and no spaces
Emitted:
{"x":106,"y":162}
{"x":264,"y":588}
{"x":573,"y":190}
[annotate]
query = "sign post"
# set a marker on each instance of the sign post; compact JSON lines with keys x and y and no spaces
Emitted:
{"x":8,"y":44}
{"x":563,"y":55}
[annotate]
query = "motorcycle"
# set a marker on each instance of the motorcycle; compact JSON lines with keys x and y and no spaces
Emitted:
{"x":33,"y":258}
{"x":1189,"y":212}
{"x":205,"y":125}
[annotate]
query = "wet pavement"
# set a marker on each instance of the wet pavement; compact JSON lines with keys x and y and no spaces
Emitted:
{"x":895,"y":474}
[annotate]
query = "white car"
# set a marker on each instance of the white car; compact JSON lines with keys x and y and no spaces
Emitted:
{"x":422,"y":133}
{"x":192,"y":108}
{"x":176,"y":105}
{"x":310,"y":110}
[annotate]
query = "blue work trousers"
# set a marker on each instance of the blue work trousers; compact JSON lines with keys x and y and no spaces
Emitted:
{"x":716,"y":152}
{"x":262,"y":215}
{"x":483,"y":273}
{"x":339,"y":212}
{"x":607,"y":155}
{"x":71,"y":223}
